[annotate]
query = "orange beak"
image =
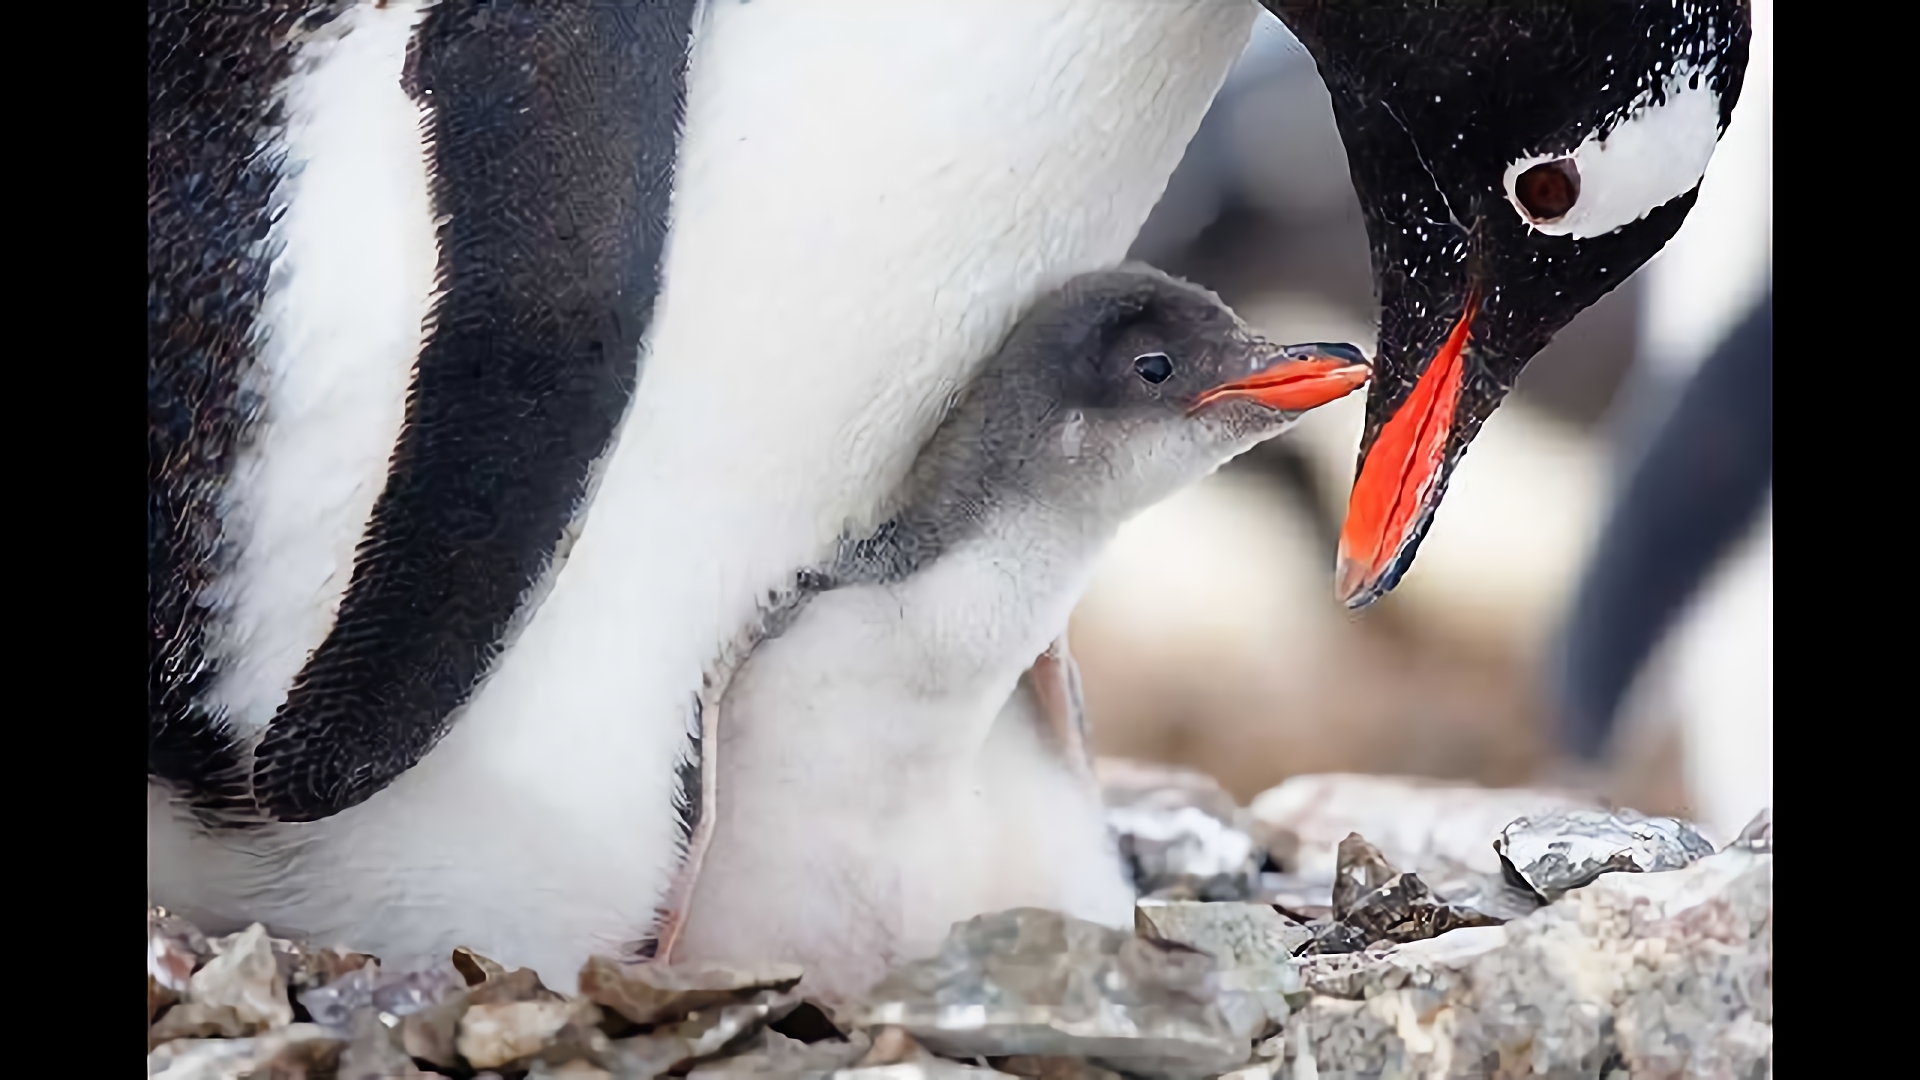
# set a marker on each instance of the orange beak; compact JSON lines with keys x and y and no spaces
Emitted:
{"x":1398,"y":475}
{"x":1305,"y":377}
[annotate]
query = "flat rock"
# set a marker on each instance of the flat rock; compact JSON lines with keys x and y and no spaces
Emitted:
{"x":490,"y":1036}
{"x":1555,"y":852}
{"x":1253,"y":945}
{"x":700,"y":1036}
{"x":1034,"y":982}
{"x":291,"y":1051}
{"x":649,"y":993}
{"x":1245,"y":937}
{"x":771,"y":1054}
{"x":1432,"y":962}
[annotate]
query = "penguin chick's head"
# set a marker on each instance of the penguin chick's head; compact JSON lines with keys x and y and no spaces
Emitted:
{"x":1125,"y":385}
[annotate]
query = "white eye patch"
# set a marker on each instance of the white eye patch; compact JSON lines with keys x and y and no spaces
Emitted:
{"x":1653,"y":156}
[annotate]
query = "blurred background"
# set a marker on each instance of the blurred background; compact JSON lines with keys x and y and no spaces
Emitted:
{"x":1577,"y":615}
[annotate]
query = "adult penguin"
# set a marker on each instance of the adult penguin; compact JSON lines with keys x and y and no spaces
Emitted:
{"x":504,"y":358}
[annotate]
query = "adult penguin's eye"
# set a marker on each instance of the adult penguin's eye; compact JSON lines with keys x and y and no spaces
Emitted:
{"x":1619,"y":173}
{"x":1548,"y":190}
{"x":1155,"y":367}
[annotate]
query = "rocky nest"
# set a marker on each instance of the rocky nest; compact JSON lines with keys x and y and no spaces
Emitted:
{"x":1337,"y":927}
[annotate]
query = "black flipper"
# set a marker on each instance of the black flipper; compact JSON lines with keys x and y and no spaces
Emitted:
{"x":553,"y":132}
{"x":212,"y":71}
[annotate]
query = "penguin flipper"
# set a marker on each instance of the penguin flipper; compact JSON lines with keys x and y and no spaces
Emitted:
{"x":696,"y":802}
{"x":699,"y":792}
{"x":1053,"y":683}
{"x":548,"y":136}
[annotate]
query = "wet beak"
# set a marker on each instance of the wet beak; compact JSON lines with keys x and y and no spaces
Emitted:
{"x":1294,"y":379}
{"x":1399,"y":481}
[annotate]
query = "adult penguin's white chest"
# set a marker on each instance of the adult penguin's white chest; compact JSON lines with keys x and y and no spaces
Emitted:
{"x":866,"y":196}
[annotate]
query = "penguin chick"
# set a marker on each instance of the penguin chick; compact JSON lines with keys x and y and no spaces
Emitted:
{"x":883,"y":768}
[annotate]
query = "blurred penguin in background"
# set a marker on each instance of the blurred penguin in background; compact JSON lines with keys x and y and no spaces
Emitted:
{"x":1672,"y":621}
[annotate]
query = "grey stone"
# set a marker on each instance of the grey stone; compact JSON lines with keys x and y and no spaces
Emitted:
{"x":1373,"y":902}
{"x":771,"y":1054}
{"x":649,"y":993}
{"x":244,"y":977}
{"x":429,"y":1033}
{"x":1553,"y":853}
{"x":334,"y":1004}
{"x":699,"y":1036}
{"x":713,"y":1030}
{"x":1033,"y":982}
{"x":501,"y":1034}
{"x":1242,"y":936}
{"x":1361,"y":869}
{"x":294,"y":1050}
{"x":373,"y":1050}
{"x":1434,"y":962}
{"x":475,"y":968}
{"x":408,"y":992}
{"x":197,"y":1020}
{"x":1253,"y":945}
{"x":422,"y":1008}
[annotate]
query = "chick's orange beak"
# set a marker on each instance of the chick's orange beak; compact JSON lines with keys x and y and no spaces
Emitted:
{"x":1303,"y":377}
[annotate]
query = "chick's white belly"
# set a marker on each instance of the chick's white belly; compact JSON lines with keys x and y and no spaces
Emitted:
{"x":879,"y":781}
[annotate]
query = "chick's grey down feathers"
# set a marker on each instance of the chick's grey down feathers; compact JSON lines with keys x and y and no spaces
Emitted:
{"x":1068,"y":361}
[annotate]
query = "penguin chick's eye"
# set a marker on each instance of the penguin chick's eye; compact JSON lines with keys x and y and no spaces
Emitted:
{"x":1548,"y":190}
{"x":1155,"y":367}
